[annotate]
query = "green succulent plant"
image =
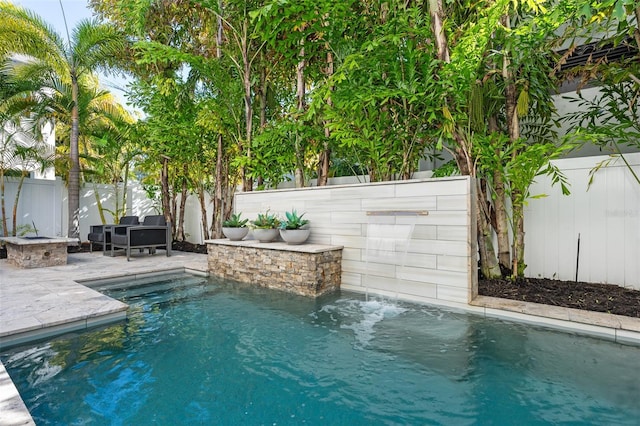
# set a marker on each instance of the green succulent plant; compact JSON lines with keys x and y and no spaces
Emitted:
{"x":235,"y":221}
{"x":266,"y":221}
{"x":294,"y":221}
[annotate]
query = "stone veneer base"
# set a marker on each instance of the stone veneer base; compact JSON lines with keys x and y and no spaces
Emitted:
{"x":308,"y":269}
{"x":37,"y":253}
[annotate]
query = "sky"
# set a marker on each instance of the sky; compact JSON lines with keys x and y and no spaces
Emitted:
{"x":74,"y":11}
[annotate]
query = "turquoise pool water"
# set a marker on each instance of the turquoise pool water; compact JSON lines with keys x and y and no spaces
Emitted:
{"x":198,"y":351}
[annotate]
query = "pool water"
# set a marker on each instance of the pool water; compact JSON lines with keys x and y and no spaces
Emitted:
{"x":201,"y":351}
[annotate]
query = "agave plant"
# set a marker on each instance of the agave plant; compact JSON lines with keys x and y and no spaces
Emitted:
{"x":235,"y":221}
{"x":294,"y":221}
{"x":266,"y":221}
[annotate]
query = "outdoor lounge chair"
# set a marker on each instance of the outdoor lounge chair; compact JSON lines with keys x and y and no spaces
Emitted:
{"x":154,"y":233}
{"x":98,"y":236}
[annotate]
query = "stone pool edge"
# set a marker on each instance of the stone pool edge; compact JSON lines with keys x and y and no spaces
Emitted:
{"x":617,"y":328}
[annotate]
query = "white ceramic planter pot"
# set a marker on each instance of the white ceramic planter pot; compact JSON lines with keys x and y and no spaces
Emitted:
{"x":235,"y":234}
{"x":265,"y":235}
{"x":295,"y":236}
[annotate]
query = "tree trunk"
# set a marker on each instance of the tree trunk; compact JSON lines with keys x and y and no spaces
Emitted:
{"x":324,"y":160}
{"x":518,"y":239}
{"x":216,"y":221}
{"x":203,"y":212}
{"x":247,"y":183}
{"x":513,"y":126}
{"x":74,"y":158}
{"x":96,"y":195}
{"x":3,"y":209}
{"x":164,"y":184}
{"x":300,"y":93}
{"x":263,"y":97}
{"x":174,"y":210}
{"x":501,"y":226}
{"x":125,"y":188}
{"x":636,"y":32}
{"x":436,"y":11}
{"x":218,"y":201}
{"x":462,"y":153}
{"x":488,"y":261}
{"x":502,"y":229}
{"x":183,"y":203}
{"x":15,"y":203}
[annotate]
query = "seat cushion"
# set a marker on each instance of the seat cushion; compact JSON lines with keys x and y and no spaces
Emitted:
{"x":154,"y":220}
{"x":129,"y":220}
{"x":119,"y":239}
{"x":97,"y":237}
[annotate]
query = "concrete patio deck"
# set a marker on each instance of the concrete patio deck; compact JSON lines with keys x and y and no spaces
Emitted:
{"x":43,"y":302}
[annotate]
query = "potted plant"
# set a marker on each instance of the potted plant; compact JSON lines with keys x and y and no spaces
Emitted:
{"x":235,"y":228}
{"x":295,"y":229}
{"x":265,"y":227}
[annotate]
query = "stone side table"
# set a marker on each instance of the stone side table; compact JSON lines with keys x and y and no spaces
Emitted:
{"x":307,"y":269}
{"x":37,"y":252}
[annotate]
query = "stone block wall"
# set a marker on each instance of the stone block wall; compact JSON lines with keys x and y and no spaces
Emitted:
{"x":37,"y":255}
{"x":308,"y":270}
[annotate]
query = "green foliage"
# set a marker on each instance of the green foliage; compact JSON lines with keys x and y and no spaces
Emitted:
{"x":20,"y":231}
{"x":384,"y":105}
{"x":293,"y":221}
{"x":235,"y":221}
{"x":266,"y":220}
{"x":450,"y":168}
{"x":609,"y":120}
{"x":273,"y":153}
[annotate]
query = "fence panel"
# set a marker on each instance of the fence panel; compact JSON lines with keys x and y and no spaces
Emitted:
{"x":606,"y":216}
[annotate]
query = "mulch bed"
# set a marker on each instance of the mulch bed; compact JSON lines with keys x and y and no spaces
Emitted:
{"x":607,"y":298}
{"x":189,"y":247}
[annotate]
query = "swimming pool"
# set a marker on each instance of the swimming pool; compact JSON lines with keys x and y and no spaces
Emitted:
{"x":201,"y":351}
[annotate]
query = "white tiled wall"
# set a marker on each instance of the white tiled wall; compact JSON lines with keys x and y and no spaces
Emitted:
{"x":441,"y":258}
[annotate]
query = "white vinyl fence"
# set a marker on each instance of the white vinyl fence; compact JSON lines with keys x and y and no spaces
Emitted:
{"x":43,"y":204}
{"x":606,"y":216}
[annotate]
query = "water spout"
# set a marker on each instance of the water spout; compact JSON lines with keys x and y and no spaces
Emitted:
{"x":386,"y":247}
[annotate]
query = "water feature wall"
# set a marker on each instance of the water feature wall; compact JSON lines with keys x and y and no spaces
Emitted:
{"x":438,"y":263}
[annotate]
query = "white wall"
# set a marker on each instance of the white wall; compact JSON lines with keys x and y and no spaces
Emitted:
{"x":606,"y":215}
{"x":44,"y":202}
{"x":41,"y":203}
{"x":441,"y":253}
{"x":89,"y":212}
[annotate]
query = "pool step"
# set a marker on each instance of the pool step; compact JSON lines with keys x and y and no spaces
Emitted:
{"x":135,"y":283}
{"x":157,"y":291}
{"x":136,"y":290}
{"x":169,"y":295}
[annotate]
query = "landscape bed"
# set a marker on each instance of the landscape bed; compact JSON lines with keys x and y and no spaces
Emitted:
{"x":606,"y":298}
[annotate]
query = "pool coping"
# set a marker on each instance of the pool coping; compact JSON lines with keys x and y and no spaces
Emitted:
{"x":618,"y":328}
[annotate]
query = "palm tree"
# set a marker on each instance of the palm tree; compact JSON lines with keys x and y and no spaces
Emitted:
{"x":90,"y":47}
{"x":22,"y":147}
